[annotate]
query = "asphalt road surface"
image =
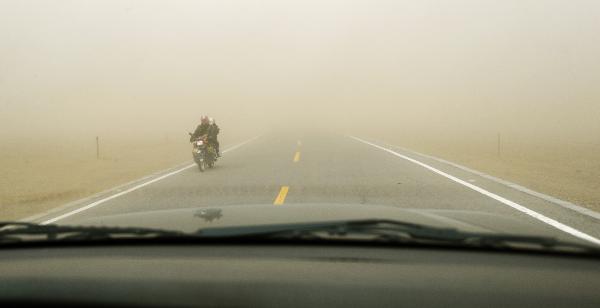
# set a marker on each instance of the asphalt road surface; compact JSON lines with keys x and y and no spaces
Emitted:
{"x":322,"y":168}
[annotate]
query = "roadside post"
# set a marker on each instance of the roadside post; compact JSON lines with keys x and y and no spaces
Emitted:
{"x":498,"y":146}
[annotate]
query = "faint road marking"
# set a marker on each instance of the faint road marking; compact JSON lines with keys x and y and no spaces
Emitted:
{"x":297,"y":157}
{"x":282,"y":194}
{"x":514,"y":205}
{"x":91,"y":205}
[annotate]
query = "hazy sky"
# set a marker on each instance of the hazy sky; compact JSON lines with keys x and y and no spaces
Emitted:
{"x":102,"y":66}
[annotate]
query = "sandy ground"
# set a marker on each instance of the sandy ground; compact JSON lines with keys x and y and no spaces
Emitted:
{"x":568,"y":170}
{"x":37,"y":176}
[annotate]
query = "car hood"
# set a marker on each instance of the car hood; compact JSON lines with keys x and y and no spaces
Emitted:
{"x":192,"y":219}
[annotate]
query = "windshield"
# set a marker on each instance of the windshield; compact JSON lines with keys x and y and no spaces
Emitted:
{"x":470,"y":121}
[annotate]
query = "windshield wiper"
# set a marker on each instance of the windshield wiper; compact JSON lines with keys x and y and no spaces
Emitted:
{"x":15,"y":232}
{"x":366,"y":231}
{"x":395,"y":232}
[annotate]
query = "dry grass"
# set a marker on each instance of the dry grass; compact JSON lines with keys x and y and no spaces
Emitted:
{"x":568,"y":170}
{"x":38,"y":176}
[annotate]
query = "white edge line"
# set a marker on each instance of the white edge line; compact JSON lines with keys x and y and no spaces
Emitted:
{"x":514,"y":205}
{"x":563,"y":203}
{"x":93,"y":204}
{"x":95,"y":196}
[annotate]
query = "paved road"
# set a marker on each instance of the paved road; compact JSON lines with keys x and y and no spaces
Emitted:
{"x":322,"y":168}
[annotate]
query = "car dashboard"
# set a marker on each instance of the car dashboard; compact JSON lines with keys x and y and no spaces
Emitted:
{"x":292,"y":276}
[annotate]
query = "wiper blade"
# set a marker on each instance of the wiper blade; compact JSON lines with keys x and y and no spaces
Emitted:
{"x":373,"y":230}
{"x":391,"y":231}
{"x":15,"y":232}
{"x":333,"y":227}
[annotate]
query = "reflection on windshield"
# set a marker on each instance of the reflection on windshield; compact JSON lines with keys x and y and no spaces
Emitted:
{"x":209,"y":214}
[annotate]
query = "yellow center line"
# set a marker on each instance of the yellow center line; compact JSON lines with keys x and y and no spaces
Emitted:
{"x":282,"y":194}
{"x":297,"y":157}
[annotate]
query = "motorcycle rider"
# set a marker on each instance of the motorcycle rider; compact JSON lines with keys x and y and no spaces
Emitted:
{"x":202,"y":129}
{"x":213,"y":132}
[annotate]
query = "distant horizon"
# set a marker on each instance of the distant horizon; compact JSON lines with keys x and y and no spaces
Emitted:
{"x":466,"y":68}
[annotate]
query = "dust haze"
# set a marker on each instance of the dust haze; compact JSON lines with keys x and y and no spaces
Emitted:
{"x":388,"y":68}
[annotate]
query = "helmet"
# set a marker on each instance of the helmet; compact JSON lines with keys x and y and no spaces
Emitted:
{"x":211,"y":121}
{"x":204,"y":119}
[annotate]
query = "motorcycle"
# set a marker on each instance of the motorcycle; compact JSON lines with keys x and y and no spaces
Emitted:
{"x":204,"y":154}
